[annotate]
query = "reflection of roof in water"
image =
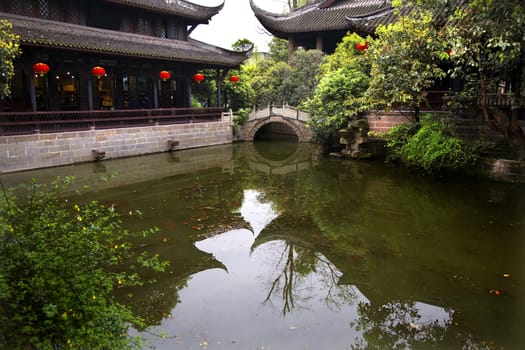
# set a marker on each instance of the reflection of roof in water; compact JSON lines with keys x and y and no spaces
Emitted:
{"x":302,"y":231}
{"x":153,"y":301}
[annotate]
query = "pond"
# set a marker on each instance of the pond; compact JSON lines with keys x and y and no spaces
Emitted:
{"x":274,"y":246}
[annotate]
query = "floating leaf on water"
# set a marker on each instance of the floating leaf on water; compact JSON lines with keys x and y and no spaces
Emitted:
{"x":414,"y":326}
{"x":506,"y":275}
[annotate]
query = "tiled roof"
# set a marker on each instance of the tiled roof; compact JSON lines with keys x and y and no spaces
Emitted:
{"x":174,"y":7}
{"x":323,"y":15}
{"x":366,"y":25}
{"x":44,"y":33}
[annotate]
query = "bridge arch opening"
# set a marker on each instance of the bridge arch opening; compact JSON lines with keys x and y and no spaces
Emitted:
{"x":276,"y":151}
{"x":276,"y":131}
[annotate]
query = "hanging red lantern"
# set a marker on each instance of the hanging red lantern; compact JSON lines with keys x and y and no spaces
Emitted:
{"x":234,"y":78}
{"x":361,"y":46}
{"x":198,"y":77}
{"x":98,"y":72}
{"x":164,"y":75}
{"x":40,"y":68}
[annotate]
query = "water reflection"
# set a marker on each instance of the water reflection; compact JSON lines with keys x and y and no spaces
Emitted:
{"x":303,"y":252}
{"x":255,"y":212}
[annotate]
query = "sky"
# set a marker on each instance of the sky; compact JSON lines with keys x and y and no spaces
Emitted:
{"x":236,"y":21}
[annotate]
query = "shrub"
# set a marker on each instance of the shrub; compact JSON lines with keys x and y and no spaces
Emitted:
{"x":60,"y":263}
{"x":430,"y":146}
{"x":242,"y":116}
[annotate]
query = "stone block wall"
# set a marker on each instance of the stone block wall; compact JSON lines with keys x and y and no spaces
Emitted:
{"x":382,"y":121}
{"x":25,"y":152}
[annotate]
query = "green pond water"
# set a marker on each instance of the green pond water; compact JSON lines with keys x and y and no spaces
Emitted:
{"x":274,"y":246}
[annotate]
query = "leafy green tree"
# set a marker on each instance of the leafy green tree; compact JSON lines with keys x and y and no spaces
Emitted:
{"x":61,"y":260}
{"x":242,"y":45}
{"x":305,"y":76}
{"x":9,"y":50}
{"x":294,"y":4}
{"x":239,"y":95}
{"x":405,"y":61}
{"x":204,"y":93}
{"x":283,"y":82}
{"x":278,"y":50}
{"x":339,"y":95}
{"x":487,"y":43}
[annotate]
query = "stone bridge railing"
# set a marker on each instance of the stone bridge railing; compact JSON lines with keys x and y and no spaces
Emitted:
{"x":285,"y":111}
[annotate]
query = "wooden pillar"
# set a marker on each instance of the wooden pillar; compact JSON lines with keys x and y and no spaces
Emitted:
{"x":52,"y":88}
{"x":291,"y":46}
{"x":184,"y":92}
{"x":32,"y":94}
{"x":155,"y":93}
{"x":319,"y":42}
{"x":219,"y":88}
{"x":89,"y":87}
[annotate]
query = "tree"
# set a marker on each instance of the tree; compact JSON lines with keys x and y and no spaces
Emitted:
{"x":339,"y":95}
{"x":305,"y":76}
{"x":405,"y":60}
{"x":277,"y":81}
{"x":61,"y":260}
{"x":9,"y":50}
{"x":242,"y":45}
{"x":278,"y":50}
{"x":293,"y":4}
{"x":487,"y":43}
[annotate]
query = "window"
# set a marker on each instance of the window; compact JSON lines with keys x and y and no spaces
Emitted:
{"x":43,"y":7}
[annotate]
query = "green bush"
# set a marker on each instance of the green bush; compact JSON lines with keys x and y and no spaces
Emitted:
{"x":60,"y":263}
{"x":430,"y":146}
{"x":242,"y":116}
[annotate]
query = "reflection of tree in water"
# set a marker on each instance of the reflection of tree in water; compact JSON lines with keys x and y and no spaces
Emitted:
{"x":302,"y":275}
{"x":401,"y":325}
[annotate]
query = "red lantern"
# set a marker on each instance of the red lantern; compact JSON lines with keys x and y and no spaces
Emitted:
{"x":361,"y":46}
{"x":234,"y":78}
{"x":98,"y":72}
{"x":198,"y":77}
{"x":164,"y":75}
{"x":40,"y":68}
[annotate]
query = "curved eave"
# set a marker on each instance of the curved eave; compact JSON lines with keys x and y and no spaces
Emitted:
{"x":245,"y":54}
{"x":180,"y":8}
{"x":367,"y":25}
{"x":58,"y":35}
{"x":318,"y":17}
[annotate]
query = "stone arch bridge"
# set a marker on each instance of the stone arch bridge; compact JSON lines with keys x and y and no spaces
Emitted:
{"x":275,"y":121}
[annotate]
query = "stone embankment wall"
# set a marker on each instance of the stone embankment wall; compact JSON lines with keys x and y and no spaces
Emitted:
{"x":25,"y":152}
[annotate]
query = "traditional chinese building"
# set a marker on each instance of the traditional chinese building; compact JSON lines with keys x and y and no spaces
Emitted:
{"x":322,"y":24}
{"x":109,"y":54}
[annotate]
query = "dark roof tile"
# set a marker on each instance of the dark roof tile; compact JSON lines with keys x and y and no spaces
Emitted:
{"x":174,"y":7}
{"x":323,"y":15}
{"x":44,"y":33}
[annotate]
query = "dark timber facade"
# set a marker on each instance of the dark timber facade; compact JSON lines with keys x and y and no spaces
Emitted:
{"x":132,"y":40}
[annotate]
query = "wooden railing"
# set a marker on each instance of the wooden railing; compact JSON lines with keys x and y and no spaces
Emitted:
{"x":19,"y":123}
{"x":435,"y":99}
